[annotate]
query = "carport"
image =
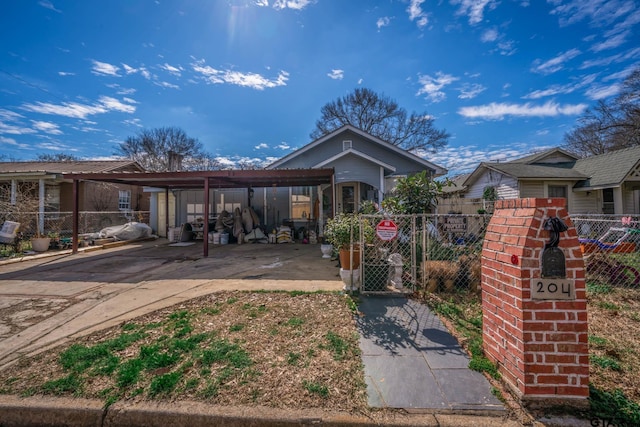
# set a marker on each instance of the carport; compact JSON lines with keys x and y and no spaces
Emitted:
{"x":204,"y":180}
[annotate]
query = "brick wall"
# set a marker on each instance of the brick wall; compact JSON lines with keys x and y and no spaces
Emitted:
{"x":540,"y":346}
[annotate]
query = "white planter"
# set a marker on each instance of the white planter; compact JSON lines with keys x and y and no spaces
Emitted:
{"x":326,"y":250}
{"x":351,"y":279}
{"x":40,"y":244}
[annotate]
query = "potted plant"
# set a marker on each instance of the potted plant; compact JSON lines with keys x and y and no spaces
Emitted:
{"x":339,"y":231}
{"x":39,"y":243}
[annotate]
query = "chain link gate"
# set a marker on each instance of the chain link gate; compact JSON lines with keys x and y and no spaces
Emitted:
{"x":432,"y":253}
{"x":388,"y":265}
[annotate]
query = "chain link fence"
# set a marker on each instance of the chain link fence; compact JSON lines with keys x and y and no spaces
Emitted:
{"x":442,"y":253}
{"x":611,"y":249}
{"x":59,"y":225}
{"x":429,"y":253}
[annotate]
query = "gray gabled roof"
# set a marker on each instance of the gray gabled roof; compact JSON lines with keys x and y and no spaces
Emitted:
{"x":438,"y":170}
{"x":607,"y":170}
{"x":69,"y":166}
{"x":539,"y":171}
{"x":537,"y":157}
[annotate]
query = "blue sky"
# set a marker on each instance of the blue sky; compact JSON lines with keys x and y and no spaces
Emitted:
{"x":248,"y":78}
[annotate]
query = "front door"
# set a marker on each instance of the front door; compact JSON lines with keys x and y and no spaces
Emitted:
{"x":347,"y":198}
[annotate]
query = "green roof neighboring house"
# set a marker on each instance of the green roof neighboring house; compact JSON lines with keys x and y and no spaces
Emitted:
{"x":607,"y":183}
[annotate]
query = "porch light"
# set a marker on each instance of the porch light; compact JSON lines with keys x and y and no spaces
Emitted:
{"x":251,"y":192}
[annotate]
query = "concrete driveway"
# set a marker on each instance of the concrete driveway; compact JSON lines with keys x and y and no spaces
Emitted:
{"x":47,"y":300}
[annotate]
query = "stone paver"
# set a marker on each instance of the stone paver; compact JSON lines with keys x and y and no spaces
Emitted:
{"x":411,"y":361}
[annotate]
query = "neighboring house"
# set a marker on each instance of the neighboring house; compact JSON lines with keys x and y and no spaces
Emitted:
{"x":607,"y":184}
{"x":52,"y":194}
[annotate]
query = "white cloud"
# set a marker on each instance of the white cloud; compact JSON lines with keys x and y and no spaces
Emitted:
{"x":554,"y":64}
{"x":611,"y":42}
{"x":105,"y":104}
{"x":497,"y":111}
{"x":142,"y":70}
{"x":470,"y":90}
{"x":225,"y":162}
{"x":103,"y":68}
{"x":65,"y":73}
{"x":489,"y":35}
{"x":176,"y":71}
{"x":128,"y":69}
{"x":133,"y":122}
{"x":252,"y":80}
{"x":561,"y":89}
{"x":47,"y":127}
{"x":417,"y":14}
{"x":10,"y":115}
{"x":597,"y":12}
{"x":291,"y":4}
{"x":283,"y":146}
{"x":167,"y":85}
{"x":261,"y":146}
{"x":474,"y":9}
{"x":383,"y":22}
{"x":48,"y":5}
{"x":432,"y":86}
{"x":621,"y":57}
{"x":463,"y":159}
{"x":262,"y":3}
{"x":506,"y":48}
{"x":601,"y":92}
{"x":336,"y":74}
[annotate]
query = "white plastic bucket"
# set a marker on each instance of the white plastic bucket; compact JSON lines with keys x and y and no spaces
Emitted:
{"x":214,"y":238}
{"x":173,"y":234}
{"x":224,"y":238}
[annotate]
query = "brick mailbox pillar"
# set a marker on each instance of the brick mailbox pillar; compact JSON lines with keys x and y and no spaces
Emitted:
{"x":535,"y":327}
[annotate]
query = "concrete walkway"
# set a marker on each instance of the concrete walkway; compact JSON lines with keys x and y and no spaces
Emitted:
{"x":410,"y":360}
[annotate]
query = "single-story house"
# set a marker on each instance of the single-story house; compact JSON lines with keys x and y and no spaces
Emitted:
{"x":50,"y":193}
{"x":332,"y":174}
{"x":604,"y":184}
{"x":364,"y":168}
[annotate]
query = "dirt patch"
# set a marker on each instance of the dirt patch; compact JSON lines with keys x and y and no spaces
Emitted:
{"x":20,"y":313}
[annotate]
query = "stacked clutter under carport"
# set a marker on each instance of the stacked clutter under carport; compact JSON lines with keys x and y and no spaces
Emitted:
{"x":239,"y":227}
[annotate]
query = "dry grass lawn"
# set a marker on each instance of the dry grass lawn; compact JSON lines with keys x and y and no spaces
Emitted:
{"x":281,"y":350}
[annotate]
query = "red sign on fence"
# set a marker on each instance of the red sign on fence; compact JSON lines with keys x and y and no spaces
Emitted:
{"x":386,"y":230}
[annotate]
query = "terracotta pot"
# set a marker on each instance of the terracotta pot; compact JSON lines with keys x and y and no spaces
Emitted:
{"x":345,"y":259}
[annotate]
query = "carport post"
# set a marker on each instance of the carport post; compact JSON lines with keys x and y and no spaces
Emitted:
{"x":166,"y":212}
{"x":74,"y":238}
{"x":205,"y":229}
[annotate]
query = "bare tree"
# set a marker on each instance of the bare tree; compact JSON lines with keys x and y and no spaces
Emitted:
{"x":381,"y":117}
{"x":165,"y":149}
{"x":103,"y":196}
{"x":609,"y":125}
{"x":57,"y":157}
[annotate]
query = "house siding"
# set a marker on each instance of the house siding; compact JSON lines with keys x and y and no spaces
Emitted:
{"x":532,"y":189}
{"x":581,"y":203}
{"x":506,"y":187}
{"x":352,"y":168}
{"x":334,"y":146}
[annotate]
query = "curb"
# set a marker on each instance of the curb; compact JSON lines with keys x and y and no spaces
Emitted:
{"x":53,"y":411}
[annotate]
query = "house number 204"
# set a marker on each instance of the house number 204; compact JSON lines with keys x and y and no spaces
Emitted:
{"x":553,"y":289}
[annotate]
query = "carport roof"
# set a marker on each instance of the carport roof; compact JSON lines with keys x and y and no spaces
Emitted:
{"x":217,"y":178}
